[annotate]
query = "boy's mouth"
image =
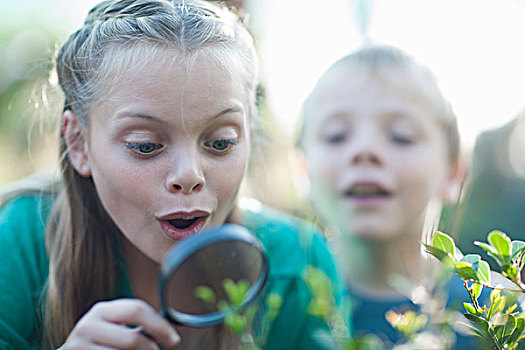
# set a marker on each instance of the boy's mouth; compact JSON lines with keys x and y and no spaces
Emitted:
{"x":369,"y":190}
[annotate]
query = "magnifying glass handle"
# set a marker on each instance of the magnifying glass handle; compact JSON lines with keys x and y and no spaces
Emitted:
{"x":144,"y":333}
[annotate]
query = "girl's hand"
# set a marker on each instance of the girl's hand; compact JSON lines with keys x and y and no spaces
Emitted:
{"x":104,"y":326}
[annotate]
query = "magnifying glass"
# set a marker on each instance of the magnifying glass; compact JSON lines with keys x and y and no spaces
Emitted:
{"x":204,"y":262}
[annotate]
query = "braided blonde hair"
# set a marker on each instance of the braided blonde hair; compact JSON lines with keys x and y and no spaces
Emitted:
{"x":81,"y":237}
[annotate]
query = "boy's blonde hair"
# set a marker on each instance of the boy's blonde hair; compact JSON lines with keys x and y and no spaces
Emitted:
{"x":395,"y":68}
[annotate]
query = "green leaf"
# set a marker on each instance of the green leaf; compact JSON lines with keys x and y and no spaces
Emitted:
{"x":318,"y":282}
{"x":483,"y":272}
{"x":235,"y":322}
{"x":362,"y":342}
{"x":235,"y":291}
{"x":502,"y":243}
{"x":476,"y":290}
{"x":504,"y":327}
{"x":273,"y":305}
{"x":481,"y":323}
{"x":319,"y":307}
{"x":445,"y":243}
{"x":511,"y":272}
{"x":497,"y":306}
{"x":471,"y":258}
{"x":465,"y":271}
{"x":408,"y":323}
{"x":493,"y":339}
{"x":230,"y":287}
{"x":471,"y":267}
{"x":511,"y":309}
{"x":495,"y":293}
{"x":476,"y":331}
{"x":243,"y":286}
{"x":439,"y":254}
{"x":518,"y":331}
{"x":518,"y":247}
{"x":206,"y":294}
{"x":491,"y":251}
{"x":470,"y":308}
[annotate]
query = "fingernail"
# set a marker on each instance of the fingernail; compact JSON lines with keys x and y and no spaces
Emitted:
{"x":175,"y":338}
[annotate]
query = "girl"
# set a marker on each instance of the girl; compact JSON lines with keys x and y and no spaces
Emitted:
{"x":155,"y":142}
{"x":382,"y":149}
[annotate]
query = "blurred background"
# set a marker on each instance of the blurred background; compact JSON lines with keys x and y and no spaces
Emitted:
{"x":475,"y":47}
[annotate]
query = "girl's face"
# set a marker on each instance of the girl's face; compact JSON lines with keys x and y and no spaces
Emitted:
{"x":376,"y":157}
{"x":167,"y":149}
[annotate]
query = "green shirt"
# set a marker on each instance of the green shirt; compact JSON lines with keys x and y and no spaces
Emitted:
{"x":290,"y":245}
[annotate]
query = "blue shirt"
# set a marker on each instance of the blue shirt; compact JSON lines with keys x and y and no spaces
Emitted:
{"x":369,"y":314}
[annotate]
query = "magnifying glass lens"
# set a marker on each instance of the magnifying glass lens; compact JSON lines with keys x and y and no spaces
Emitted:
{"x":197,"y":286}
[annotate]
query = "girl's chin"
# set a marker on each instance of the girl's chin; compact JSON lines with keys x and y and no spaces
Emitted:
{"x":156,"y":254}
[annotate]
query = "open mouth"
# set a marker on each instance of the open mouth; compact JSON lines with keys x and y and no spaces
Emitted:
{"x":179,"y":228}
{"x":182,"y":224}
{"x":367,"y":191}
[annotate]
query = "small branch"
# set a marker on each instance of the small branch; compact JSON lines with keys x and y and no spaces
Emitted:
{"x":472,"y":299}
{"x":521,"y":290}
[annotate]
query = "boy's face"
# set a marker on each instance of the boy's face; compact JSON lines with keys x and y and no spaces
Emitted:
{"x":376,"y":157}
{"x":168,"y":150}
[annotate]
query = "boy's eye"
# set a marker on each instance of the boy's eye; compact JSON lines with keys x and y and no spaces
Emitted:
{"x":336,"y":137}
{"x":221,"y":145}
{"x":402,"y":138}
{"x":144,"y":147}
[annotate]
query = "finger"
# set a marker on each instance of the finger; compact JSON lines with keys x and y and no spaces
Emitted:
{"x":138,"y":312}
{"x":122,"y":337}
{"x":83,"y":346}
{"x":93,"y":332}
{"x":97,"y":347}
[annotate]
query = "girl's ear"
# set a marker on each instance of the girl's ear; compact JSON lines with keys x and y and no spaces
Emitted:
{"x":76,"y":142}
{"x":455,"y":182}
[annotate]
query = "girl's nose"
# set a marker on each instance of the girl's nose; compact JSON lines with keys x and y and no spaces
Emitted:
{"x":186,"y":176}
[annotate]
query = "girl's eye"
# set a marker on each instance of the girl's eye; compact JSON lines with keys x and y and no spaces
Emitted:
{"x":221,"y":145}
{"x":144,"y":147}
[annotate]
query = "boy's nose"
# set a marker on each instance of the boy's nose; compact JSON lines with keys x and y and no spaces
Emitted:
{"x":366,"y":156}
{"x":186,"y":176}
{"x":366,"y":148}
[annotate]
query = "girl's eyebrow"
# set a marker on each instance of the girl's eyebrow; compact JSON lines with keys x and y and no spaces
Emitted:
{"x":235,"y":109}
{"x":139,"y":115}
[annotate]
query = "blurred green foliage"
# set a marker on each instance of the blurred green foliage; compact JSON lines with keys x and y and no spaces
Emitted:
{"x":29,"y":32}
{"x":494,"y":195}
{"x":500,"y":325}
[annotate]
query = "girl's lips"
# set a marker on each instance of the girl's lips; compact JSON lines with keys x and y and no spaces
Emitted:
{"x":177,"y":233}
